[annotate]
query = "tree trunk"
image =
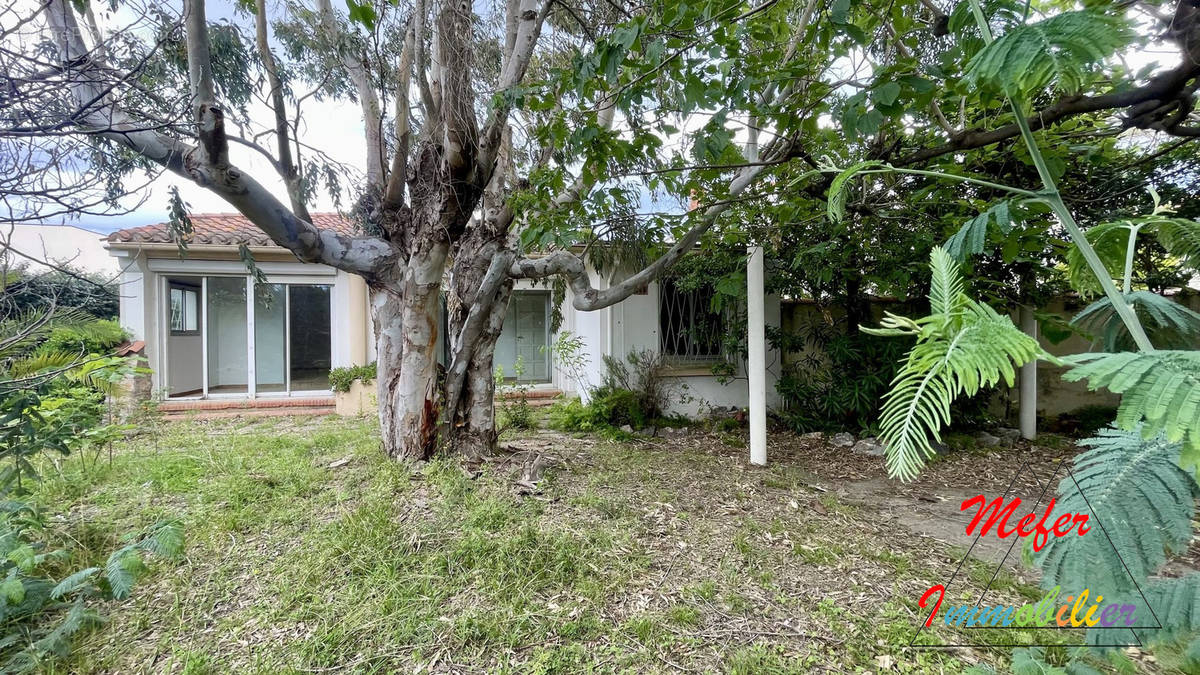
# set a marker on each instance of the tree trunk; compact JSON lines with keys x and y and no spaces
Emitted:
{"x":407,"y":331}
{"x":473,"y":422}
{"x":476,"y":304}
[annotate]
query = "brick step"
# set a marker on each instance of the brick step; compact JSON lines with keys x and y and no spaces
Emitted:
{"x":245,"y":404}
{"x":531,"y":395}
{"x":200,"y":414}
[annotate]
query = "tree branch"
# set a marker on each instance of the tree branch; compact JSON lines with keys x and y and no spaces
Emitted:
{"x":286,"y":166}
{"x":370,"y":257}
{"x":356,"y":67}
{"x":587,"y":298}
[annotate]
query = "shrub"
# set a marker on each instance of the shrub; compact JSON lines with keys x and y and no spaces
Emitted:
{"x":26,"y":290}
{"x":633,"y":392}
{"x":1086,"y":421}
{"x":515,"y":412}
{"x":643,"y":378}
{"x":44,"y":602}
{"x":99,"y":336}
{"x":571,"y":415}
{"x":840,"y":383}
{"x":340,"y":379}
{"x":618,"y":407}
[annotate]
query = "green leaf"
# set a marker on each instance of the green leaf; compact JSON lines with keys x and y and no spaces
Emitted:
{"x":1137,"y":496}
{"x":1160,"y":388}
{"x":961,"y":347}
{"x":886,"y":94}
{"x":73,"y":583}
{"x":839,"y":12}
{"x":1110,"y":241}
{"x":23,"y":557}
{"x":165,"y":539}
{"x":836,"y":202}
{"x":1060,"y":50}
{"x":1169,"y":324}
{"x":13,"y":591}
{"x":123,"y":568}
{"x":362,"y":13}
{"x":970,"y":238}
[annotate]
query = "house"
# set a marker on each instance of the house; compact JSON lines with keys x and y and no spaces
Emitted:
{"x":212,"y":331}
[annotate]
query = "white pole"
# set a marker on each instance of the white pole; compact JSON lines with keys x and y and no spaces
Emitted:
{"x":1028,"y":392}
{"x":757,"y":362}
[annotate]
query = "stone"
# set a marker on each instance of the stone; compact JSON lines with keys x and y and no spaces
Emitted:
{"x":1008,"y":433}
{"x":842,"y":440}
{"x":869,"y":446}
{"x":813,"y":436}
{"x":626,"y":428}
{"x":986,"y":440}
{"x":939,"y":448}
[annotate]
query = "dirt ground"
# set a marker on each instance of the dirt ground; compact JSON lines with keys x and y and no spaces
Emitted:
{"x":309,"y":551}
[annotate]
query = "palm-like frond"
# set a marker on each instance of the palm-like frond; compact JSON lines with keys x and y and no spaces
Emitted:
{"x":35,"y":364}
{"x":1134,"y":488}
{"x":971,"y":236}
{"x":1181,"y":238}
{"x":1176,"y":604}
{"x":961,"y":347}
{"x":1161,"y":388}
{"x":1061,"y":50}
{"x":1110,"y":241}
{"x":1169,"y":324}
{"x":21,"y":333}
{"x":835,"y":205}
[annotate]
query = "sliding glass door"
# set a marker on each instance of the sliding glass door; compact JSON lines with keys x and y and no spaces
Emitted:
{"x":228,"y":361}
{"x":257,"y":339}
{"x":309,"y":338}
{"x":270,"y":338}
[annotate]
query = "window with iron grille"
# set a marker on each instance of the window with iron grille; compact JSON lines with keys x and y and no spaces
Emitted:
{"x":690,"y":332}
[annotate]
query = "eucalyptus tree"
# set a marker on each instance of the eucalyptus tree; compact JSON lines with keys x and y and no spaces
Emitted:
{"x":490,"y":134}
{"x":498,"y":139}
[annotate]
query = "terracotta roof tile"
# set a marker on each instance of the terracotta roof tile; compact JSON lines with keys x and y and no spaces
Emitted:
{"x":224,"y":229}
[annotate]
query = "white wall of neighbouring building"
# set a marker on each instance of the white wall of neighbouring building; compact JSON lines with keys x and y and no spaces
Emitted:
{"x":62,"y":244}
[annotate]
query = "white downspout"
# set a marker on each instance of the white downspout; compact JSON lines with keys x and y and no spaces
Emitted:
{"x":757,"y":362}
{"x":1028,"y":391}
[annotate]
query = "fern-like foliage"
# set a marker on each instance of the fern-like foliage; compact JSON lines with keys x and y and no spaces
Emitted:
{"x":1169,"y":324}
{"x":971,"y":236}
{"x":962,"y":346}
{"x":835,"y":204}
{"x":1138,"y":496}
{"x":1160,"y":389}
{"x":1110,"y":241}
{"x":1061,"y":49}
{"x":1179,"y":236}
{"x":1176,"y":604}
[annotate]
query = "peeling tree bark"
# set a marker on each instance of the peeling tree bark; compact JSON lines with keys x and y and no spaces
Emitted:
{"x":407,"y":334}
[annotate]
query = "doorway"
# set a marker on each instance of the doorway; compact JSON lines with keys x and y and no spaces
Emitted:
{"x":521,"y":353}
{"x":230,"y":336}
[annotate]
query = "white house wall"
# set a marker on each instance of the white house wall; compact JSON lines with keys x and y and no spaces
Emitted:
{"x":634,"y":326}
{"x":629,"y":325}
{"x":144,"y":315}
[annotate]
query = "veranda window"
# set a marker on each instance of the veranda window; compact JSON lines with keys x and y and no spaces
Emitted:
{"x":690,"y":331}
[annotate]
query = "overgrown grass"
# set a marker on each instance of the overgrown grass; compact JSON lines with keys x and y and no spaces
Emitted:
{"x":310,"y":551}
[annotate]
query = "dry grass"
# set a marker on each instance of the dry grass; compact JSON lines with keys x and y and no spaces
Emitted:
{"x":310,"y":552}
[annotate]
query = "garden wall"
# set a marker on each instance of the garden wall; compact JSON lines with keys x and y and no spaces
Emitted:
{"x":1055,"y":396}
